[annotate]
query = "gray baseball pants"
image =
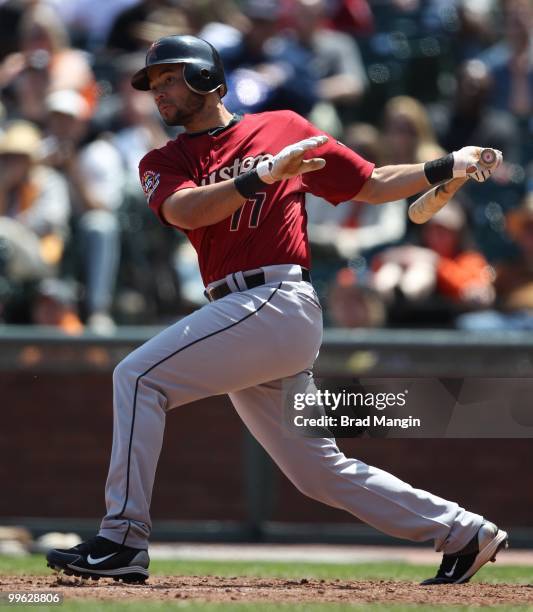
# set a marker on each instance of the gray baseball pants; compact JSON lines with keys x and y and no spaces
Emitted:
{"x":245,"y":345}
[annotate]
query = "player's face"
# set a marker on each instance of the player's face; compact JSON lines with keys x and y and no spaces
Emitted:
{"x":176,"y":103}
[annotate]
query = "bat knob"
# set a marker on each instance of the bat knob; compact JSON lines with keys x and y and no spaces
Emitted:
{"x":488,"y":157}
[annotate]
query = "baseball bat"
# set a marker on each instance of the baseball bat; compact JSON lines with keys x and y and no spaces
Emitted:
{"x":430,"y":202}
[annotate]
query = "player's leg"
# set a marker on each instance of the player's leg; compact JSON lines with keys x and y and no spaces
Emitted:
{"x":243,"y":340}
{"x":320,"y":470}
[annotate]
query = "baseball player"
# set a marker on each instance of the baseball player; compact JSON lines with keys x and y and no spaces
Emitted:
{"x":235,"y":185}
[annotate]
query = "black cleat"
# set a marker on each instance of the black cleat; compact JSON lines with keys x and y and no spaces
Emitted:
{"x":101,"y":558}
{"x":462,"y":565}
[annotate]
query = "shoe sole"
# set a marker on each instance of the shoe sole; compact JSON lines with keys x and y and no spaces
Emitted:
{"x":131,"y":575}
{"x":485,"y":555}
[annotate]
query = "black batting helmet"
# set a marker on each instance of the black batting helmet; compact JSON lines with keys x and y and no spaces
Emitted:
{"x":203,"y":72}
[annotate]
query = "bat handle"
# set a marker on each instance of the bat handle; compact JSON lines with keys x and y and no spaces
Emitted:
{"x":433,"y":200}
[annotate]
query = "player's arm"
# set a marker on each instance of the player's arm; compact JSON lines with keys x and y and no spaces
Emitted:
{"x":390,"y":183}
{"x":201,"y":206}
{"x":401,"y":181}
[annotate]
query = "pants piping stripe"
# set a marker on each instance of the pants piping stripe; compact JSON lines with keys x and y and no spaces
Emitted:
{"x":126,"y":534}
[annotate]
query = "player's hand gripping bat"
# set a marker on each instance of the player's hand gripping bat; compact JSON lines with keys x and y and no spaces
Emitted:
{"x":429,"y":203}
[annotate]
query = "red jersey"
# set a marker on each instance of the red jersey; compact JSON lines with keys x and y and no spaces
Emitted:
{"x":269,"y":228}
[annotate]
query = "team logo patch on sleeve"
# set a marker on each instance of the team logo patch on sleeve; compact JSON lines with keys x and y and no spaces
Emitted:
{"x":149,"y":181}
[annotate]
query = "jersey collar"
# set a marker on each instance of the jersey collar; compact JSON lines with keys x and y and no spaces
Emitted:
{"x":217,"y":130}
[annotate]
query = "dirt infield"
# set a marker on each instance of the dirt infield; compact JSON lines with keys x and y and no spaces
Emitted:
{"x":224,"y":589}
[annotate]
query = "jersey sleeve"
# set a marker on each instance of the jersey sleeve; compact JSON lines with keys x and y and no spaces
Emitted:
{"x":160,"y":178}
{"x":345,"y":171}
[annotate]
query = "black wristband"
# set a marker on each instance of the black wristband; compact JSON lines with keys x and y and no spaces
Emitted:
{"x":439,"y":170}
{"x":249,"y":183}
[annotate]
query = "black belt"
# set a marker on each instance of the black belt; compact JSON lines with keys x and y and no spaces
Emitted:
{"x":251,"y":281}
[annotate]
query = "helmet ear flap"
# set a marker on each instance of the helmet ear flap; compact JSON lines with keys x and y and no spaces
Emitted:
{"x":202,"y":79}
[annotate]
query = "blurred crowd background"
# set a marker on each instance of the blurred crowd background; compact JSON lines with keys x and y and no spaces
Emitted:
{"x":399,"y":81}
